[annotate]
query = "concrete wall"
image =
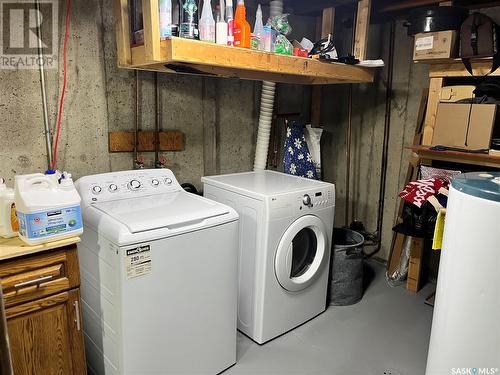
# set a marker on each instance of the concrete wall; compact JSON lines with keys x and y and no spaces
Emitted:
{"x":369,"y":101}
{"x":100,"y":98}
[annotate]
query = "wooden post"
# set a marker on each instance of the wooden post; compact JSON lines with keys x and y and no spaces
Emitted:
{"x":415,"y":263}
{"x":432,"y":105}
{"x":362,"y":25}
{"x":151,"y":18}
{"x":122,"y":25}
{"x":327,"y":22}
{"x":326,"y":27}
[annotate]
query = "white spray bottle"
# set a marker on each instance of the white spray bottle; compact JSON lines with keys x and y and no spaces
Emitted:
{"x":221,"y":26}
{"x":258,"y":29}
{"x":207,"y":23}
{"x":230,"y":22}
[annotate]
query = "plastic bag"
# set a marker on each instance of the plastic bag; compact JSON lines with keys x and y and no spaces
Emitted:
{"x":283,"y":45}
{"x":313,"y":139}
{"x":280,"y":24}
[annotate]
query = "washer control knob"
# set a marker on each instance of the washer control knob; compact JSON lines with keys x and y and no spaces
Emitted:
{"x":155,"y":182}
{"x":134,"y":185}
{"x":96,"y":189}
{"x":113,"y":187}
{"x":306,"y":199}
{"x":168,"y":181}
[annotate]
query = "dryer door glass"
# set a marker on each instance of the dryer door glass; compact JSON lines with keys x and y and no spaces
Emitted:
{"x":304,"y":247}
{"x":302,"y":254}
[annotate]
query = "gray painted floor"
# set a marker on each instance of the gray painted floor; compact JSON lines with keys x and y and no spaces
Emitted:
{"x":386,"y":333}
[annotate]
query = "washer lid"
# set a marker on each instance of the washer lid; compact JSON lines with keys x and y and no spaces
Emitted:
{"x":171,"y":211}
{"x":484,"y":185}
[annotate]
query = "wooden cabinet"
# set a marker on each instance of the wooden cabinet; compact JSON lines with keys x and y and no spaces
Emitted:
{"x":43,"y":311}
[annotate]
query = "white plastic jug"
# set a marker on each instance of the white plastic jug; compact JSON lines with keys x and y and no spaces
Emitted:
{"x":8,"y":219}
{"x":47,"y":210}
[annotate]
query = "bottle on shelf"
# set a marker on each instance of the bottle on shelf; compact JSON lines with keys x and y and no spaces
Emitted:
{"x":188,"y":19}
{"x":258,"y":30}
{"x":230,"y":22}
{"x":220,"y":25}
{"x":207,"y":23}
{"x":175,"y":17}
{"x":165,"y":18}
{"x":241,"y":26}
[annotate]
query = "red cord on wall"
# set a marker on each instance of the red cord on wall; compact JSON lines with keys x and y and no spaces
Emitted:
{"x":65,"y":82}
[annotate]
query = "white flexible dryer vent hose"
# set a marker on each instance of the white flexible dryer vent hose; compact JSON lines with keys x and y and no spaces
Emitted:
{"x":266,"y":108}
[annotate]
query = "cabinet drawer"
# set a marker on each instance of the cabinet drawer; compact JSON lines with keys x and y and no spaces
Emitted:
{"x":28,"y":278}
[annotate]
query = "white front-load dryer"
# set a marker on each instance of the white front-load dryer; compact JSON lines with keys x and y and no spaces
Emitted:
{"x":285,"y":236}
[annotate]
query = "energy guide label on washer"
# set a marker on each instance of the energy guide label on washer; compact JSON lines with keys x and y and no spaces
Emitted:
{"x":138,"y":261}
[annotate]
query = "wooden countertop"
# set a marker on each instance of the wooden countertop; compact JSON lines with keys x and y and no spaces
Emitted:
{"x":14,"y":247}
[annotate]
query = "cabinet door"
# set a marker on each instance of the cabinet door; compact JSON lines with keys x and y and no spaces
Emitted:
{"x":46,"y":336}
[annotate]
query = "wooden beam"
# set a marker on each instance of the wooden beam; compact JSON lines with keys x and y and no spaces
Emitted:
{"x":327,"y":22}
{"x":122,"y":25}
{"x":432,"y":105}
{"x":122,"y":141}
{"x":196,"y":57}
{"x":362,"y":26}
{"x":151,"y":20}
{"x":325,"y":28}
{"x":415,"y":264}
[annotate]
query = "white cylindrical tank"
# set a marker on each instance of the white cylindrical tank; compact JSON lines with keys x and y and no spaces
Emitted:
{"x":465,"y":336}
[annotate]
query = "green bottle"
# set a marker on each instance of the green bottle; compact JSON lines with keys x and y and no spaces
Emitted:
{"x":188,"y":19}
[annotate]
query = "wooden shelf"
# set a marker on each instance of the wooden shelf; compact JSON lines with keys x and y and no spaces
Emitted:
{"x":455,"y":68}
{"x":485,"y":160}
{"x":195,"y":57}
{"x":14,"y":247}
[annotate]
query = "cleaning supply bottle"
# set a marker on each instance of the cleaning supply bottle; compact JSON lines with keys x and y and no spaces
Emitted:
{"x":221,"y":26}
{"x":8,"y":219}
{"x":207,"y":23}
{"x":47,"y":210}
{"x":165,"y":18}
{"x":188,"y":19}
{"x":230,"y":22}
{"x":241,"y":26}
{"x":258,"y":30}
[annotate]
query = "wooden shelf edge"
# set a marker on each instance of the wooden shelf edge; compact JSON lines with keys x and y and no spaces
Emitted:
{"x":455,"y":68}
{"x":196,"y":57}
{"x":14,"y":247}
{"x":484,"y":160}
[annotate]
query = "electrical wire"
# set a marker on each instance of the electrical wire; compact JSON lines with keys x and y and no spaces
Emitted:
{"x":65,"y":83}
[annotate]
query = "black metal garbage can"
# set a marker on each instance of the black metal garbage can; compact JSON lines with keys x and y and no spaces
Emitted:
{"x":346,"y":286}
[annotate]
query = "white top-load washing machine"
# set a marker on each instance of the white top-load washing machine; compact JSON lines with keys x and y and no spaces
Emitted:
{"x":465,"y":336}
{"x":159,"y":272}
{"x":286,"y":225}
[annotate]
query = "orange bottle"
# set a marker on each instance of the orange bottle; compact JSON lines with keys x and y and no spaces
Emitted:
{"x":241,"y":26}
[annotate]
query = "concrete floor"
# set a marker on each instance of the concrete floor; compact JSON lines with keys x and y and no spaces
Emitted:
{"x":386,"y":333}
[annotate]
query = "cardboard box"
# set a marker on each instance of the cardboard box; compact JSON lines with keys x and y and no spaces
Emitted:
{"x":465,"y":126}
{"x":437,"y":45}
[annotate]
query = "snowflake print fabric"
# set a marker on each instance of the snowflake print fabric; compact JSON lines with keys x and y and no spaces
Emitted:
{"x":297,"y":160}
